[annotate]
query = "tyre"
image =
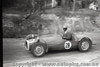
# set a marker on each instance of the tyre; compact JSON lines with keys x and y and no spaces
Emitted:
{"x":85,"y":44}
{"x":38,"y":50}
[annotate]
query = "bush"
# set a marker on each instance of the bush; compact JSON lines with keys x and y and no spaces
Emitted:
{"x":21,"y":28}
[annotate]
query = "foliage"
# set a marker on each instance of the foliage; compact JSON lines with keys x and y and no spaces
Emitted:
{"x":23,"y":27}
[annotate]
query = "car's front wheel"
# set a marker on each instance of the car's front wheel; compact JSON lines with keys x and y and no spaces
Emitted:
{"x":84,"y":45}
{"x":38,"y":50}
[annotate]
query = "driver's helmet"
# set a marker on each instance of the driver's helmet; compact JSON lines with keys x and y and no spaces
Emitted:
{"x":65,"y":27}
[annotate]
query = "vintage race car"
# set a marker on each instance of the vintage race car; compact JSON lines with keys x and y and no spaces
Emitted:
{"x":40,"y":45}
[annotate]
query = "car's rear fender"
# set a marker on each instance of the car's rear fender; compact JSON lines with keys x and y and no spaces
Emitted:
{"x":86,"y":38}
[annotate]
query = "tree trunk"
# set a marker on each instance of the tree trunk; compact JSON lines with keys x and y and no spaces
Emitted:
{"x":74,"y":2}
{"x":32,"y":3}
{"x":63,"y":3}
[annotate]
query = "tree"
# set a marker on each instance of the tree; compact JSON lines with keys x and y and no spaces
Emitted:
{"x":74,"y":2}
{"x":38,"y":4}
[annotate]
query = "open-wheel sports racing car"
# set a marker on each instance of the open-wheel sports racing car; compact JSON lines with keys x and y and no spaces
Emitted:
{"x":39,"y":45}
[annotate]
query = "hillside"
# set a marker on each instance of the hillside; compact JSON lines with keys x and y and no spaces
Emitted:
{"x":48,"y":22}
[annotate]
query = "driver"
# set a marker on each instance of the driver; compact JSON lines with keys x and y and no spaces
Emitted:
{"x":67,"y":32}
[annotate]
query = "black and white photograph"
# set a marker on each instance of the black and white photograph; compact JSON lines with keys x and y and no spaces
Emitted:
{"x":51,"y":33}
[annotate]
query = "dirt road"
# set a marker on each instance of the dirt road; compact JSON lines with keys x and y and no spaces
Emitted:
{"x":14,"y":51}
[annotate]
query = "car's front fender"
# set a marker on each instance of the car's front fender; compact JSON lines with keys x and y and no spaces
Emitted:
{"x":40,"y":42}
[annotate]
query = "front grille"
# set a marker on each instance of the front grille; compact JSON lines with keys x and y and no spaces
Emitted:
{"x":26,"y":45}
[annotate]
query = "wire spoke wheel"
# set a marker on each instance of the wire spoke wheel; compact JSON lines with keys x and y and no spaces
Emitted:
{"x":85,"y":45}
{"x":39,"y":50}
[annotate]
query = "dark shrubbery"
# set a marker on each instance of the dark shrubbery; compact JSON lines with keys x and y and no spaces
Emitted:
{"x":21,"y":28}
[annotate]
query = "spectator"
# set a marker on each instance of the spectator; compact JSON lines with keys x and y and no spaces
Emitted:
{"x":93,"y":5}
{"x":54,"y":3}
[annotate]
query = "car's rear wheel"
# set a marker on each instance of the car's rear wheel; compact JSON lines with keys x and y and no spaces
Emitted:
{"x":84,"y":45}
{"x":38,"y":50}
